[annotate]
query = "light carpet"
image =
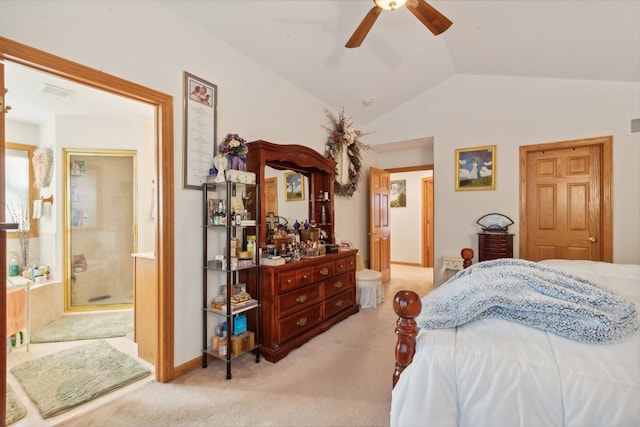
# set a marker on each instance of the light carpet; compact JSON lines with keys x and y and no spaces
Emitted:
{"x":66,"y":379}
{"x":341,"y":377}
{"x":85,"y":327}
{"x":15,"y":409}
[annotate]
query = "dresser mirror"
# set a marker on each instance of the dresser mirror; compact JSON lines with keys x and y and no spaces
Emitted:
{"x":276,"y":201}
{"x":269,"y":160}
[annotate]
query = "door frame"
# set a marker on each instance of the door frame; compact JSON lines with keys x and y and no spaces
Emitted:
{"x":425,"y":204}
{"x":606,"y":189}
{"x":427,"y":222}
{"x":163,"y":103}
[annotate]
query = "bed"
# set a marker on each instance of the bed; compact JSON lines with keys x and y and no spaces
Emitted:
{"x":495,"y":372}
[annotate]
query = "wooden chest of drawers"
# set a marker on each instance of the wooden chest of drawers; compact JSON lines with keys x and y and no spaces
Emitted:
{"x":301,"y":299}
{"x":494,"y":246}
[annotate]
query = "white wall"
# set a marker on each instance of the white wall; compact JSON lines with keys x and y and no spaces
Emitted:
{"x":83,"y":133}
{"x":406,"y":223}
{"x":145,"y":43}
{"x":470,"y":110}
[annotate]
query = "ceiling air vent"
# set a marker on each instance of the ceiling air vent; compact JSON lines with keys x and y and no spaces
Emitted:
{"x":635,"y":125}
{"x":56,"y":90}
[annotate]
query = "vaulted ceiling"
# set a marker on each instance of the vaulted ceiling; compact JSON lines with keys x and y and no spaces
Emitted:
{"x":303,"y":41}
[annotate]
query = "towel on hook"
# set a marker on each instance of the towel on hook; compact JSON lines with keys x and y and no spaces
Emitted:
{"x":16,"y":310}
{"x":37,"y":208}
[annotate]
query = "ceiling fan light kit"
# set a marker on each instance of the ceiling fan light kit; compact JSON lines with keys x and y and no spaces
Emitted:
{"x":389,"y":4}
{"x":436,"y":22}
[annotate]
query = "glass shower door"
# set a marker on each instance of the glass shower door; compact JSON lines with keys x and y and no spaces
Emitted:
{"x":100,"y":218}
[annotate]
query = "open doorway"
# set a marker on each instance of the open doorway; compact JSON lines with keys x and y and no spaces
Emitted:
{"x":411,"y":215}
{"x":162,"y":104}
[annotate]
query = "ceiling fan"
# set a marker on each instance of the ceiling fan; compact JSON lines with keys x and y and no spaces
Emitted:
{"x":436,"y":22}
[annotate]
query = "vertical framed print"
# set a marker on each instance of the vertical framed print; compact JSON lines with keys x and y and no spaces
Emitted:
{"x":293,"y":186}
{"x":200,"y":100}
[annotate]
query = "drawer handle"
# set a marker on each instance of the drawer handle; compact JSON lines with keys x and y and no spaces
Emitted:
{"x":301,"y":299}
{"x":324,"y":271}
{"x":289,"y":281}
{"x":341,"y":266}
{"x":338,"y":285}
{"x":304,"y":277}
{"x":301,"y":321}
{"x":339,"y":303}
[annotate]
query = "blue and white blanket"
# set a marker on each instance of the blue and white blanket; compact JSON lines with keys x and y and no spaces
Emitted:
{"x":531,"y":294}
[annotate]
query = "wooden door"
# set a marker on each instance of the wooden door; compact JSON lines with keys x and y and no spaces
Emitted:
{"x":379,"y":230}
{"x":566,"y":200}
{"x":271,"y":195}
{"x":427,"y":222}
{"x":3,"y":256}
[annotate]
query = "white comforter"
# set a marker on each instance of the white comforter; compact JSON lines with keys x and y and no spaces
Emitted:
{"x":493,"y":372}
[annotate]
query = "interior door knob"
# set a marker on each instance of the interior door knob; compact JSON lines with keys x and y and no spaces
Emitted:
{"x":592,"y":239}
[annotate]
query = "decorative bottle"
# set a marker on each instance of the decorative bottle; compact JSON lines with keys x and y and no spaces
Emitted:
{"x":14,"y":268}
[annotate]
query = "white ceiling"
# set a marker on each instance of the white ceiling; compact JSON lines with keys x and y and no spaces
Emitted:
{"x":303,"y":41}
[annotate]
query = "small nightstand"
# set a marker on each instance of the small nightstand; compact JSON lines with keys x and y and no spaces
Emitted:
{"x":451,"y":263}
{"x":494,"y":246}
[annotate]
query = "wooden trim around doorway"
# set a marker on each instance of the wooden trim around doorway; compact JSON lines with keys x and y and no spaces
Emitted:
{"x":606,"y":202}
{"x":43,"y":61}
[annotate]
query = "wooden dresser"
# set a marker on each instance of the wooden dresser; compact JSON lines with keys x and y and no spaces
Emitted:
{"x":302,"y":299}
{"x":494,"y":246}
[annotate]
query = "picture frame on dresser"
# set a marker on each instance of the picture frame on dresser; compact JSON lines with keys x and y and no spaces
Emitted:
{"x":476,"y":168}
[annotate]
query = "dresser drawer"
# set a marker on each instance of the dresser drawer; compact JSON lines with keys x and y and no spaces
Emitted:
{"x":322,"y":271}
{"x":339,"y":302}
{"x":338,"y":284}
{"x":494,"y":246}
{"x":298,"y":299}
{"x":345,"y":264}
{"x":294,"y":279}
{"x":299,"y":322}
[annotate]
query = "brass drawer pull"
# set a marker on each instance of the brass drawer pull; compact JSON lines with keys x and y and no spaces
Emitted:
{"x":301,"y":299}
{"x":339,"y":303}
{"x":302,"y":321}
{"x":304,"y":277}
{"x":324,"y":271}
{"x":341,"y":266}
{"x":288,"y":281}
{"x":338,"y":285}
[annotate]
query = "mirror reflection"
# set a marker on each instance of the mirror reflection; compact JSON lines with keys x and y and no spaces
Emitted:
{"x":288,"y":209}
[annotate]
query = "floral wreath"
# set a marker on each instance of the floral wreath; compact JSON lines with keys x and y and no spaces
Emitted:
{"x":342,"y":136}
{"x":234,"y":145}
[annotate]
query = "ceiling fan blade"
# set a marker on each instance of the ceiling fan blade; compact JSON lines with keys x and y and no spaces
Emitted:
{"x":436,"y":22}
{"x":363,"y":29}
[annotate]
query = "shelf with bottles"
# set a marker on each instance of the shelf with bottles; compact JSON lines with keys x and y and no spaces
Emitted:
{"x":229,"y":256}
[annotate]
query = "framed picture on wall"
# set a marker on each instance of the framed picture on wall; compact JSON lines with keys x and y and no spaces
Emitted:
{"x":199,"y":104}
{"x":293,"y":186}
{"x":398,"y":193}
{"x":476,"y":168}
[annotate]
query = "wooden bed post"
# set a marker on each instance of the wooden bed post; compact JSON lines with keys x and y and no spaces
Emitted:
{"x":407,"y":306}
